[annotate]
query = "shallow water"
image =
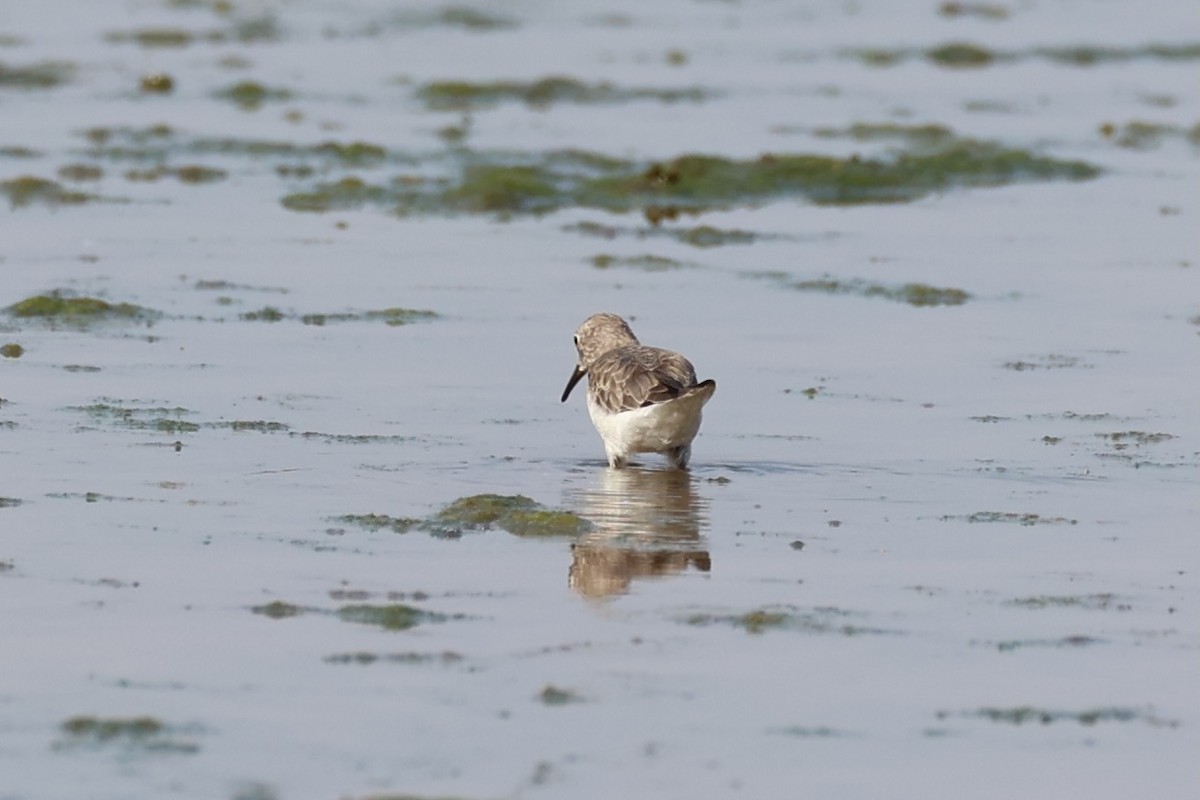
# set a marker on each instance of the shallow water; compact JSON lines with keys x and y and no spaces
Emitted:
{"x":923,"y":551}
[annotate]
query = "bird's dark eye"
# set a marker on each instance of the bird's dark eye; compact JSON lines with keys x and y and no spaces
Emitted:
{"x":577,"y":341}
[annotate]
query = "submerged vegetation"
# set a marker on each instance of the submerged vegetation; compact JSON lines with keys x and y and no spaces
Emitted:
{"x":250,"y":95}
{"x":392,"y":317}
{"x":463,"y":17}
{"x":462,"y":181}
{"x":63,"y":307}
{"x":552,"y":695}
{"x":244,"y":30}
{"x":914,"y":294}
{"x":517,"y":514}
{"x":140,"y":418}
{"x":26,"y":190}
{"x":1019,"y":715}
{"x":646,"y":263}
{"x":927,"y":136}
{"x":817,"y":620}
{"x":103,"y":729}
{"x":43,"y":75}
{"x":463,"y":95}
{"x":958,"y":55}
{"x":390,"y":617}
{"x":1141,"y":135}
{"x":701,"y":183}
{"x":143,"y":733}
{"x":1026,"y":519}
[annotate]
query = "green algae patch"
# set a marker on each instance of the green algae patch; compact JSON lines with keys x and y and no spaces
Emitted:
{"x":246,"y":30}
{"x":1122,"y":439}
{"x":155,"y":37}
{"x":645,"y":263}
{"x":1090,"y":55}
{"x":1011,"y":517}
{"x":264,"y":314}
{"x":17,"y":151}
{"x":28,"y":189}
{"x":461,"y":17}
{"x":80,"y":173}
{"x":960,"y":55}
{"x":1051,"y":361}
{"x":716,"y":182}
{"x":161,"y":143}
{"x":109,"y":728}
{"x":809,"y":732}
{"x":464,"y":95}
{"x":756,"y":621}
{"x":44,"y":75}
{"x":139,"y":418}
{"x":392,"y":317}
{"x":190,"y":174}
{"x":552,"y":695}
{"x":492,"y":188}
{"x":194,"y":173}
{"x":914,"y":294}
{"x":9,"y":502}
{"x":1096,"y":602}
{"x":1065,"y":642}
{"x":352,"y":153}
{"x":156,"y":83}
{"x":1022,"y":715}
{"x":143,"y":734}
{"x":818,"y":620}
{"x":58,"y":306}
{"x":761,"y":620}
{"x":924,"y":136}
{"x":12,"y":350}
{"x":921,"y":294}
{"x":278,"y":609}
{"x":505,"y":183}
{"x":346,"y":194}
{"x":544,"y":523}
{"x":484,"y":510}
{"x":251,"y":95}
{"x":254,"y":425}
{"x":1142,"y":135}
{"x":968,"y":55}
{"x":446,"y":658}
{"x":706,"y":236}
{"x":516,"y":514}
{"x":393,"y":617}
{"x":352,"y":438}
{"x":375,"y":522}
{"x":471,"y":19}
{"x":980,"y":10}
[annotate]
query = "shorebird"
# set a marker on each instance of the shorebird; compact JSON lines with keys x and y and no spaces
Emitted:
{"x":641,"y":399}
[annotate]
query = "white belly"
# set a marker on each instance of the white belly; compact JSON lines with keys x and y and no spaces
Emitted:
{"x":652,"y":429}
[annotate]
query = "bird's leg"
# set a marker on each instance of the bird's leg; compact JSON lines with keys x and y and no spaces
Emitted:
{"x":679,"y":456}
{"x":616,"y":459}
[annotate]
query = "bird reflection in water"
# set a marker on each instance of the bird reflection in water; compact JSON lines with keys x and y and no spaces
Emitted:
{"x":647,"y":524}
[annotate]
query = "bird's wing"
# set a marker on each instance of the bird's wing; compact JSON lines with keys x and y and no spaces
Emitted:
{"x":632,"y":377}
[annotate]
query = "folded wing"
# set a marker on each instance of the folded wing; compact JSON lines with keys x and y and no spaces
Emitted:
{"x":633,"y":377}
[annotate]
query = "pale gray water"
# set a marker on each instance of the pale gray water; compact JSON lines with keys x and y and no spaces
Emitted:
{"x":937,"y":639}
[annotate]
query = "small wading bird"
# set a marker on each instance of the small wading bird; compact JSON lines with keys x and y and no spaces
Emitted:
{"x":641,"y":399}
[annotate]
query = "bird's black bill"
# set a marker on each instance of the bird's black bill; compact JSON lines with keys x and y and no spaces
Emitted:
{"x":575,"y":376}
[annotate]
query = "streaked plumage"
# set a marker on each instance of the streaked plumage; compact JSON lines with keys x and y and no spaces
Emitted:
{"x":641,"y":399}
